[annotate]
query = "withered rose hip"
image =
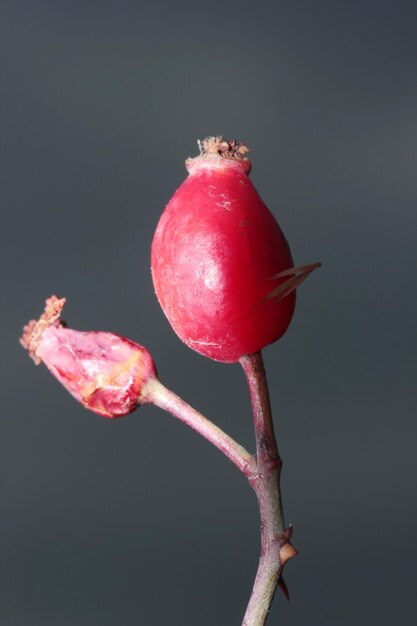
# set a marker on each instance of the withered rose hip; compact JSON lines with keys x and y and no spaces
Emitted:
{"x":107,"y":373}
{"x":221,"y":266}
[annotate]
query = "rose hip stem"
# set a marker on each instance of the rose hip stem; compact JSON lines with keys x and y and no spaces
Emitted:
{"x":159,"y":395}
{"x":275,"y":546}
{"x":262,"y":472}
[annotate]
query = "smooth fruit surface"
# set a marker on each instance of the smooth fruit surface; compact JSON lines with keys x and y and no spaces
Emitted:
{"x":215,"y":253}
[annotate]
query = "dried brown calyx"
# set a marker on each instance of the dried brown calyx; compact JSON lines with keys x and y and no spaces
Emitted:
{"x":33,"y":330}
{"x":228,"y":149}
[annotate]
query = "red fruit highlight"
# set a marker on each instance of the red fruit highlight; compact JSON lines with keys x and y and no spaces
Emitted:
{"x":221,"y":266}
{"x":107,"y":373}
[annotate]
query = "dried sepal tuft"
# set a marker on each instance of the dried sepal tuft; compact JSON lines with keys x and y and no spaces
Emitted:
{"x":230,"y":149}
{"x":33,"y":330}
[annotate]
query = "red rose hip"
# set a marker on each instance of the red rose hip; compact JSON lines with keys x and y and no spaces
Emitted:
{"x":221,"y":266}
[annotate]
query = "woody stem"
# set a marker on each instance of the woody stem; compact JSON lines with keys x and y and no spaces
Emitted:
{"x":275,"y":547}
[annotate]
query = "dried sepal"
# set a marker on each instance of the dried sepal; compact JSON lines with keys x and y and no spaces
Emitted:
{"x":296,"y":275}
{"x":33,"y":330}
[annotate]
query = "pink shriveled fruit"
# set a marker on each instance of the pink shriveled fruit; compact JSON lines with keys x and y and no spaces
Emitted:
{"x":221,"y":266}
{"x":107,"y":373}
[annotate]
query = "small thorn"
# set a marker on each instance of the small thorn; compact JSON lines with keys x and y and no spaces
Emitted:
{"x":287,"y":552}
{"x":288,"y":532}
{"x":282,"y":585}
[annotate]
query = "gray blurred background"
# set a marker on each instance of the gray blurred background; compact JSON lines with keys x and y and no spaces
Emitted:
{"x":139,"y":521}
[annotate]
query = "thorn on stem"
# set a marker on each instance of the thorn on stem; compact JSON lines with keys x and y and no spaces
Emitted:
{"x":282,"y":585}
{"x":287,"y":552}
{"x":288,"y":532}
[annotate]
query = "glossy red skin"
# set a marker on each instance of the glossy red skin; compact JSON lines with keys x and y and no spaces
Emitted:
{"x":215,"y":251}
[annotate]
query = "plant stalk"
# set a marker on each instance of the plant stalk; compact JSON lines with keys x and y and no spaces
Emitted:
{"x":262,"y":472}
{"x":162,"y":397}
{"x":275,"y":546}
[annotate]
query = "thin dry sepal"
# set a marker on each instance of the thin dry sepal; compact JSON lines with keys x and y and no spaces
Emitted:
{"x":296,"y":276}
{"x":32,"y":332}
{"x":228,"y":149}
